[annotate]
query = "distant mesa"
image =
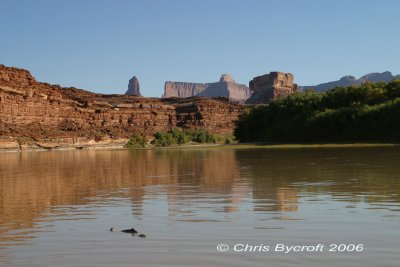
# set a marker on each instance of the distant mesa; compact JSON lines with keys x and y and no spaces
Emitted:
{"x":133,"y":87}
{"x":226,"y":87}
{"x":351,"y":80}
{"x":271,"y":86}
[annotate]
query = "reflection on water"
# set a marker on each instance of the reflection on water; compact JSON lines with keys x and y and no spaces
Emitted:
{"x":191,"y":200}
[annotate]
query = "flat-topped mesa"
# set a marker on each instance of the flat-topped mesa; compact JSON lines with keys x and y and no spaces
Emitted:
{"x":226,"y":87}
{"x":133,"y":87}
{"x":183,"y":89}
{"x":271,"y":86}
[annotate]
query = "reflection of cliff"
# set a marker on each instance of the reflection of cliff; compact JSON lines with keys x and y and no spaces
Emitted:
{"x":286,"y":199}
{"x":31,"y":184}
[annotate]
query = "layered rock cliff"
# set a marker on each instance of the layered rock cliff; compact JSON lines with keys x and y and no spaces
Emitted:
{"x":226,"y":87}
{"x":271,"y":86}
{"x":39,"y":114}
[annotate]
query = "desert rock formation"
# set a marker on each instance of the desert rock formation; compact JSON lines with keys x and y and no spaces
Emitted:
{"x":133,"y":87}
{"x":43,"y":115}
{"x":271,"y":86}
{"x":183,"y":89}
{"x":226,"y":87}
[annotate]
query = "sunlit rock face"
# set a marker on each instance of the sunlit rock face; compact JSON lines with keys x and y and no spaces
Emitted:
{"x":271,"y":86}
{"x":50,"y":115}
{"x":226,"y":87}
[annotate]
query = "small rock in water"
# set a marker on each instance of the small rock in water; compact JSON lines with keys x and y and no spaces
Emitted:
{"x":131,"y":231}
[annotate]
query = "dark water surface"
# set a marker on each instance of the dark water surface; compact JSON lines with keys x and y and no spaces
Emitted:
{"x":56,"y":207}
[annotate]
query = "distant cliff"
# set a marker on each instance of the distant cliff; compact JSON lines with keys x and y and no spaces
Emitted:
{"x":271,"y":86}
{"x":351,"y":80}
{"x":183,"y":89}
{"x":226,"y":87}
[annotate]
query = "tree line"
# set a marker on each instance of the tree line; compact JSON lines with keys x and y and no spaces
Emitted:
{"x":364,"y":113}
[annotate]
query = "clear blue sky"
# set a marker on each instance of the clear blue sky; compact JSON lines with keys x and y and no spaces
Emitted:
{"x":99,"y":45}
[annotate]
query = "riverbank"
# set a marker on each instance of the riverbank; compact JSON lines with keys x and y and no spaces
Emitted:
{"x":46,"y":145}
{"x":12,"y":144}
{"x":310,"y":145}
{"x":283,"y":146}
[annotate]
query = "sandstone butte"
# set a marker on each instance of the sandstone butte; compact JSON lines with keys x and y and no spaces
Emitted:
{"x":271,"y":86}
{"x":40,"y":115}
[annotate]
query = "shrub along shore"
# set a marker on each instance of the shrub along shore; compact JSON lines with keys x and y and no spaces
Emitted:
{"x":368,"y":113}
{"x":177,"y":136}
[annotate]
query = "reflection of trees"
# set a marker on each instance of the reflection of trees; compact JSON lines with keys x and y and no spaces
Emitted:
{"x":362,"y":174}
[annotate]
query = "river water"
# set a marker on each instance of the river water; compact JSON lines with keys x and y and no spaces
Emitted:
{"x":56,"y":208}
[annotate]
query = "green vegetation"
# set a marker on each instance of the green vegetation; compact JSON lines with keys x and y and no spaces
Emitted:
{"x":366,"y":113}
{"x":180,"y":137}
{"x":137,"y":141}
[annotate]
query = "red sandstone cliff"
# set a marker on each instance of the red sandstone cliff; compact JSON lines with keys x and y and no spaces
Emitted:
{"x":39,"y":114}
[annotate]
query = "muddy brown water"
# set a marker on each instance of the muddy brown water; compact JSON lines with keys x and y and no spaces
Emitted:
{"x":56,"y":207}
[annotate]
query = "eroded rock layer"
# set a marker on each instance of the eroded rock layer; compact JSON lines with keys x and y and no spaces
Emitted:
{"x":50,"y":116}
